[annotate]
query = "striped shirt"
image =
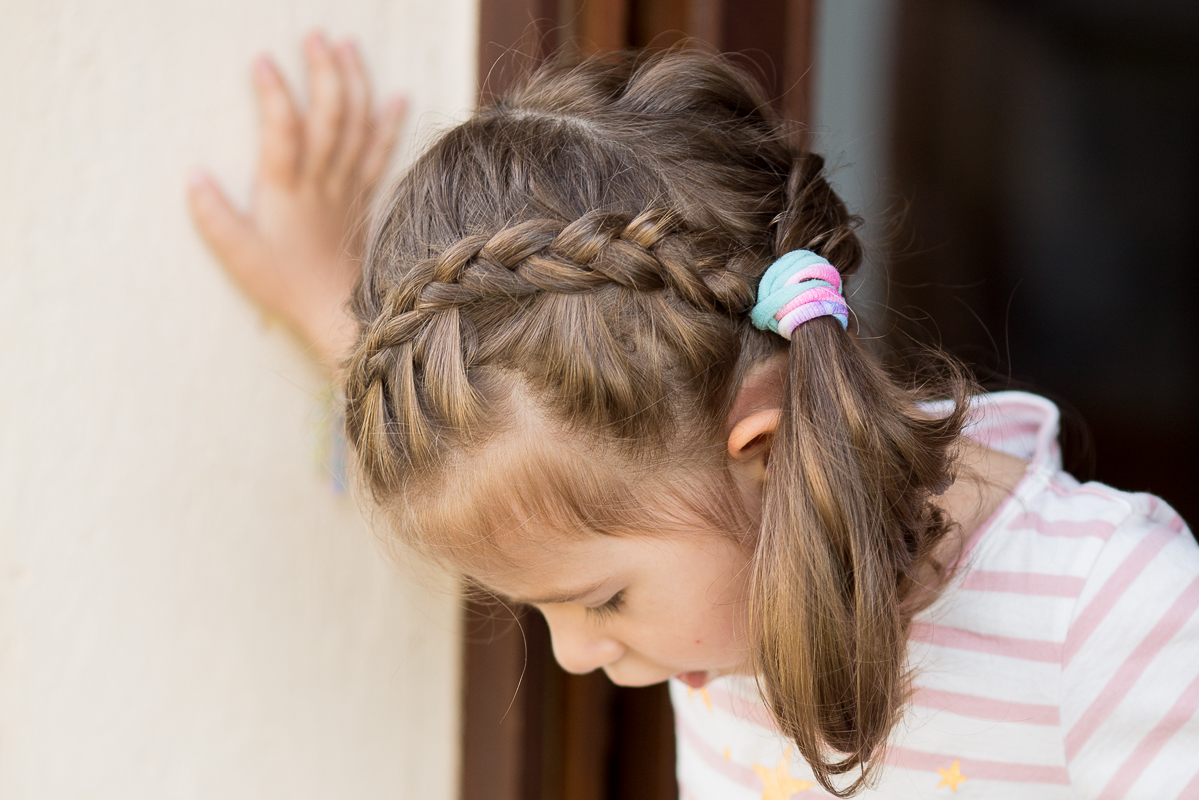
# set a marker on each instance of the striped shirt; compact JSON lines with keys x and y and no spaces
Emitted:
{"x":1062,"y":662}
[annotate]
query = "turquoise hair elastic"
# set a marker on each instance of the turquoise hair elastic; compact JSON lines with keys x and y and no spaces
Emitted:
{"x":799,"y":286}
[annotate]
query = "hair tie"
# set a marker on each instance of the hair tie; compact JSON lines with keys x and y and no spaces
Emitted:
{"x":799,"y":286}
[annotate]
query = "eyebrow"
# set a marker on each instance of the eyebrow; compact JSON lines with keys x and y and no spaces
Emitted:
{"x":560,"y":597}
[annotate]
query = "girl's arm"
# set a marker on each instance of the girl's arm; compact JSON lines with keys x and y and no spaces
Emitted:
{"x":296,"y":251}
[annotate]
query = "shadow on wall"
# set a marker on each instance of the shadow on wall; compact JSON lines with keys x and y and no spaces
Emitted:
{"x":1050,"y":155}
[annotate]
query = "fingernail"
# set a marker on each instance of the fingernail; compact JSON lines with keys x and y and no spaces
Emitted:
{"x":262,"y":66}
{"x":197,"y":179}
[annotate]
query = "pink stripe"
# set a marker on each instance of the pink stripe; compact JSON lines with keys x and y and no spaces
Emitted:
{"x":1010,"y":426}
{"x":1004,"y":429}
{"x":1026,"y":583}
{"x":982,"y":530}
{"x":1009,"y":419}
{"x":1091,"y":617}
{"x":810,"y":311}
{"x":810,"y":296}
{"x":1014,"y":433}
{"x":979,"y":768}
{"x":743,"y":709}
{"x":1068,"y":528}
{"x":1059,"y":488}
{"x":1132,"y":768}
{"x":1062,"y":490}
{"x":821,"y":272}
{"x":1192,"y":788}
{"x":738,"y":774}
{"x":1176,"y":522}
{"x":1131,"y":670}
{"x":1041,"y":650}
{"x":970,"y":705}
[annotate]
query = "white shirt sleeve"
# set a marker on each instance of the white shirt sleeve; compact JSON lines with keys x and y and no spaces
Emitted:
{"x":1130,"y":678}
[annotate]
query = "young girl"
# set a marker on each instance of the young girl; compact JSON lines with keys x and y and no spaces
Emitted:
{"x":603,"y":363}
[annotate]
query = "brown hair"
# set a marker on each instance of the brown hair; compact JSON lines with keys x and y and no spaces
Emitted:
{"x":582,"y":256}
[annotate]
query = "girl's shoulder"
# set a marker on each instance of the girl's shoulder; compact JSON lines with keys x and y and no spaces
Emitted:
{"x":1078,"y":606}
{"x":1066,"y":576}
{"x":1050,"y":515}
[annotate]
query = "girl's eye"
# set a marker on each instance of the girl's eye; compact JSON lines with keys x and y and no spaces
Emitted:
{"x":608,"y":609}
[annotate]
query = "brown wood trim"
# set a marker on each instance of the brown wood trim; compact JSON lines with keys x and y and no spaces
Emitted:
{"x":513,"y":35}
{"x":799,"y":59}
{"x":703,"y":21}
{"x":494,"y":716}
{"x":661,"y":23}
{"x":774,"y":37}
{"x":601,"y":25}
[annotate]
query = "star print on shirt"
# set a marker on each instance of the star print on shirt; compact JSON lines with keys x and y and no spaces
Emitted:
{"x":777,"y":783}
{"x":702,"y":693}
{"x":951,"y":777}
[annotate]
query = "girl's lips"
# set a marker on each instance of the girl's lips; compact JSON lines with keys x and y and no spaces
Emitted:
{"x":696,"y":680}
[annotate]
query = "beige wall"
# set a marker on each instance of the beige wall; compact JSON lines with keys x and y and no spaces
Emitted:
{"x":187,"y":608}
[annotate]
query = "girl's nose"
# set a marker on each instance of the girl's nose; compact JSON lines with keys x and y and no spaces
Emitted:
{"x":578,"y":647}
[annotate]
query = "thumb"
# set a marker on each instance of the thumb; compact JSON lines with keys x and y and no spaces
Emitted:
{"x":227,"y":231}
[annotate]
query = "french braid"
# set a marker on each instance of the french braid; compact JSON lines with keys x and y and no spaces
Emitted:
{"x":409,"y":378}
{"x":590,"y":246}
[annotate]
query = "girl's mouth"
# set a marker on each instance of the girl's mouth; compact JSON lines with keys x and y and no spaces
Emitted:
{"x":696,"y":680}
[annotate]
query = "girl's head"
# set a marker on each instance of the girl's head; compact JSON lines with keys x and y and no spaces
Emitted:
{"x":559,"y":391}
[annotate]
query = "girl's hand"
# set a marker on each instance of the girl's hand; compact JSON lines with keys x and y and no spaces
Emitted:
{"x":297,"y":250}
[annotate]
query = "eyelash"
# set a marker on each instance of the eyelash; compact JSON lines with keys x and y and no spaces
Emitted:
{"x":608,"y":609}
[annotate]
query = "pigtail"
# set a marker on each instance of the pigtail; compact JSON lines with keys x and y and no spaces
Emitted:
{"x":848,"y":526}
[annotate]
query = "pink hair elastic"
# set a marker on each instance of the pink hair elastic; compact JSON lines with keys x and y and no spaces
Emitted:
{"x":797,"y":287}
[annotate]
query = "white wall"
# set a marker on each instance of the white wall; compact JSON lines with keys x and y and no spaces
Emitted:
{"x":187,"y":608}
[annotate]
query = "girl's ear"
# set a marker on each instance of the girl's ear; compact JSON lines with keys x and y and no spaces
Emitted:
{"x":755,"y":417}
{"x":750,"y":440}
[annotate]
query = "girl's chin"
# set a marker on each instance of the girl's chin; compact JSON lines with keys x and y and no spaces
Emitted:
{"x":696,"y":680}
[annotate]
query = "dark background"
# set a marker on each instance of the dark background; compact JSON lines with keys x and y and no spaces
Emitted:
{"x":1048,"y":157}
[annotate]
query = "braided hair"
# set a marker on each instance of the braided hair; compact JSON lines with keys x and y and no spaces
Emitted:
{"x":591,"y":244}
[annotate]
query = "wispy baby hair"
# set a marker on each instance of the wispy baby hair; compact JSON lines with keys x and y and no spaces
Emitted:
{"x":579,"y":260}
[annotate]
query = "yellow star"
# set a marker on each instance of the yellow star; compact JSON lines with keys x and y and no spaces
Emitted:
{"x":702,"y":693}
{"x":777,"y":783}
{"x":951,"y":777}
{"x":727,"y":756}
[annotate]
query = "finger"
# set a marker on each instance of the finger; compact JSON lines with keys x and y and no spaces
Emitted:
{"x":228,"y":232}
{"x":382,"y":141}
{"x":354,"y":128}
{"x":282,"y":133}
{"x":326,"y":108}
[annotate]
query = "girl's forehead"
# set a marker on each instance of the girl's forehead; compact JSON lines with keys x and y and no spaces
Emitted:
{"x":533,"y":498}
{"x":535,"y":569}
{"x":573,"y":569}
{"x":524,"y":491}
